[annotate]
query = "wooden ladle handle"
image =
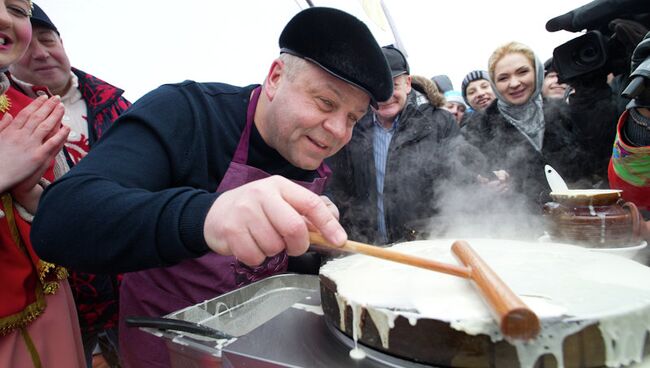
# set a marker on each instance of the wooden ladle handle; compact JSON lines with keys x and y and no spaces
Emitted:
{"x":391,"y":255}
{"x":515,"y":319}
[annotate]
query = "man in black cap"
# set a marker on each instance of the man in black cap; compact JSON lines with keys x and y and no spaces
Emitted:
{"x":386,"y":178}
{"x":91,"y":107}
{"x":205,"y":187}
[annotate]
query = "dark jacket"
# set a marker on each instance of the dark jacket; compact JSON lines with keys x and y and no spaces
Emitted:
{"x":423,"y":153}
{"x":508,"y":149}
{"x":593,"y":114}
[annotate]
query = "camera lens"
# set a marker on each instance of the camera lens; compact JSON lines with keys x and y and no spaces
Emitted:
{"x":580,"y":55}
{"x":587,"y":55}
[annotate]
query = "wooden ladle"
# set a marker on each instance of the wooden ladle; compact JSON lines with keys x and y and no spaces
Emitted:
{"x":515,"y":319}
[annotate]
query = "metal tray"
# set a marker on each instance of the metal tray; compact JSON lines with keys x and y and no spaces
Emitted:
{"x":238,"y":312}
{"x":274,"y":323}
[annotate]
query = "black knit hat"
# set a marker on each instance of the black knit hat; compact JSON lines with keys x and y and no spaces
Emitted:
{"x":343,"y":46}
{"x":549,"y":67}
{"x":39,"y":18}
{"x":396,"y":61}
{"x":471,"y":77}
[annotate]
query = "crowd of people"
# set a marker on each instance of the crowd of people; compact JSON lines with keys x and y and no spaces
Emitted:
{"x":112,"y":210}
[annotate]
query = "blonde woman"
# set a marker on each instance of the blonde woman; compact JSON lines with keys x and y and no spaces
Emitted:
{"x":517,"y":133}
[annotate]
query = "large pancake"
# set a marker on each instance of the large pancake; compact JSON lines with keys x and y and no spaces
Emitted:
{"x":594,"y":307}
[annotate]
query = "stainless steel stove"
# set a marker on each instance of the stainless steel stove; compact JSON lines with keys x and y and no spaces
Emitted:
{"x":276,"y":322}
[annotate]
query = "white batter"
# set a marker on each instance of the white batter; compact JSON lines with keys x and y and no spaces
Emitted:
{"x":568,"y":287}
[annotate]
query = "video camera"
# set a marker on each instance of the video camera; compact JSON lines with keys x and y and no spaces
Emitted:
{"x":581,"y":55}
{"x":599,"y":47}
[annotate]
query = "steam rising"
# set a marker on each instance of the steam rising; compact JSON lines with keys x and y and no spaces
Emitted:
{"x":479,"y":211}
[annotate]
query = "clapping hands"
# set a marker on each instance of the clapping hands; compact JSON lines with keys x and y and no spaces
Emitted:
{"x":28,"y":144}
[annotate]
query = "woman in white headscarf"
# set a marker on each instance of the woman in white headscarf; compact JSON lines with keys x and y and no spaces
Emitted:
{"x":517,"y":133}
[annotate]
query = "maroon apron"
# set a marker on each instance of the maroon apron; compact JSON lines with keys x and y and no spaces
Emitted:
{"x":159,"y":291}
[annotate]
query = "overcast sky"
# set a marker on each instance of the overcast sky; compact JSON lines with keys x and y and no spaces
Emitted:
{"x":138,"y":45}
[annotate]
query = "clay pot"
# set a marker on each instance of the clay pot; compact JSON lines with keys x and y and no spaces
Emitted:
{"x":592,"y":218}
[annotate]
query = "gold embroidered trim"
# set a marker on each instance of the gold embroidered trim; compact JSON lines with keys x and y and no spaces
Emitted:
{"x":49,"y":276}
{"x":25,"y":316}
{"x":5,"y":103}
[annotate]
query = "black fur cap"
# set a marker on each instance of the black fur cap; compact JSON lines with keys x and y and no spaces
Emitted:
{"x":343,"y":46}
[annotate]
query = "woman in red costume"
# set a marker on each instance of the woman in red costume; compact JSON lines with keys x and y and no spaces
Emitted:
{"x":38,"y":322}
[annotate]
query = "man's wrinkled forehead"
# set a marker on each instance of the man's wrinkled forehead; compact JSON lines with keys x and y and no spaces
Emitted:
{"x":346,"y":92}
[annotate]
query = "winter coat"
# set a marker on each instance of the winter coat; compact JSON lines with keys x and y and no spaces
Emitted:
{"x":506,"y":148}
